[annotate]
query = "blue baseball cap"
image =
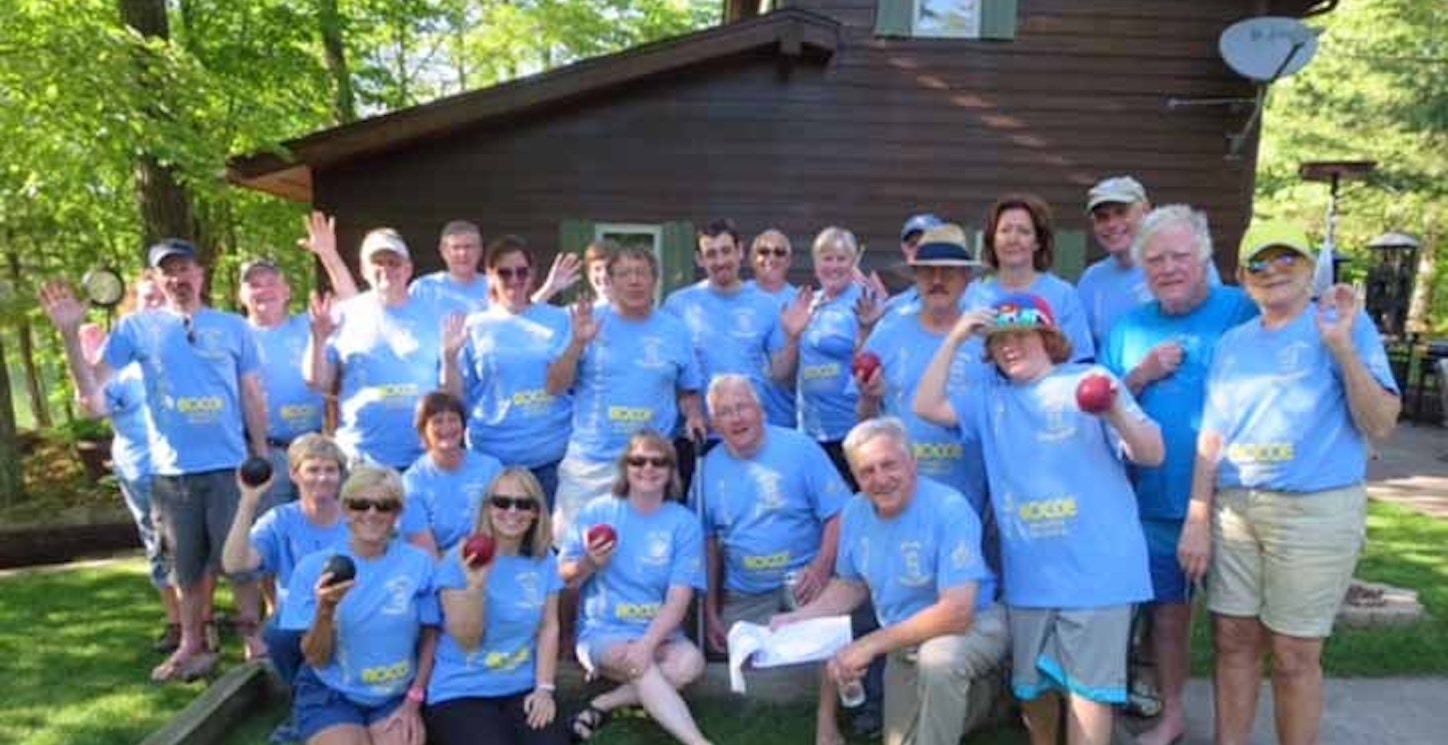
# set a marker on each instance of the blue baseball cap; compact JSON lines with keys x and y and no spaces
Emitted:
{"x":168,"y":248}
{"x":919,"y":224}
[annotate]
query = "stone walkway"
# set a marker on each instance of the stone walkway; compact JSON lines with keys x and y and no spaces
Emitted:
{"x":1358,"y":711}
{"x":1411,"y":470}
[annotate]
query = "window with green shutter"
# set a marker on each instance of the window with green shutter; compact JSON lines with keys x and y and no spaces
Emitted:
{"x":950,"y":19}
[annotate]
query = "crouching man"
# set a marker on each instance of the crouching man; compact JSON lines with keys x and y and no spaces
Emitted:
{"x":911,"y":545}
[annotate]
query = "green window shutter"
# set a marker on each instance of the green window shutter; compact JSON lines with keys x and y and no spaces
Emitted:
{"x":1070,"y":255}
{"x":894,"y":17}
{"x":998,"y":19}
{"x":677,"y":250}
{"x":573,"y":237}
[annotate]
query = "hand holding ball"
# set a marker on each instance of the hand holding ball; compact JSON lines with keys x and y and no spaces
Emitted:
{"x":601,"y":535}
{"x":255,"y":471}
{"x":1096,"y":394}
{"x":342,"y":569}
{"x":478,"y":550}
{"x":866,"y":363}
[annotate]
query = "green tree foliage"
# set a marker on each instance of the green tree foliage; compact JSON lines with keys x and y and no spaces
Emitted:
{"x":1377,"y":90}
{"x":76,"y":118}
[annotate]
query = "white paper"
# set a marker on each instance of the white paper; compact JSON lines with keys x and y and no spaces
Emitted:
{"x":806,"y":641}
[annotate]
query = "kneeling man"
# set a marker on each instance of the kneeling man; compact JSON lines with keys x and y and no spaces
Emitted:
{"x":911,"y":545}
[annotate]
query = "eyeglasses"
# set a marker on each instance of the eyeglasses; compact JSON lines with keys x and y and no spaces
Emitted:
{"x":639,"y":461}
{"x":383,"y":506}
{"x":190,"y":330}
{"x":507,"y":273}
{"x":1280,"y":261}
{"x":505,"y":503}
{"x":775,"y":251}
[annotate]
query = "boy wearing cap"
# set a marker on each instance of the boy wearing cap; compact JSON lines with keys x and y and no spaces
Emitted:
{"x":1074,"y":557}
{"x":1278,"y":506}
{"x":385,"y":349}
{"x":943,"y":265}
{"x":201,"y":371}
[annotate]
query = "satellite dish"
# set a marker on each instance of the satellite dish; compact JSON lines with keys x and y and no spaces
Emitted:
{"x":1266,"y":48}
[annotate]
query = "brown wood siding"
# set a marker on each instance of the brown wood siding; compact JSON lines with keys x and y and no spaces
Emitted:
{"x":883,"y":129}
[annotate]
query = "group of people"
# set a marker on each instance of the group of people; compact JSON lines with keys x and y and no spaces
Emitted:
{"x":991,"y":471}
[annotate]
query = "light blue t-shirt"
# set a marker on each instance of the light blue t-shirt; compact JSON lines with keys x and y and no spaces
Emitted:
{"x":192,"y":374}
{"x":1174,"y":402}
{"x":826,"y":398}
{"x":378,"y":622}
{"x":284,"y":536}
{"x":905,"y":348}
{"x":1070,"y":533}
{"x":909,"y":559}
{"x":629,"y":379}
{"x":446,"y":502}
{"x":1277,"y":399}
{"x":388,"y":359}
{"x":446,"y":295}
{"x":131,"y":440}
{"x":768,"y":512}
{"x":511,"y":415}
{"x":1109,"y":290}
{"x":505,"y":661}
{"x":1064,"y":301}
{"x":655,"y":552}
{"x":731,"y":333}
{"x":778,"y":398}
{"x":293,"y":408}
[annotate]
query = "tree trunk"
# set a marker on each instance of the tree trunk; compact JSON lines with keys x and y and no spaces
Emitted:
{"x":39,"y":407}
{"x":334,"y":48}
{"x":12,"y":479}
{"x":165,"y":206}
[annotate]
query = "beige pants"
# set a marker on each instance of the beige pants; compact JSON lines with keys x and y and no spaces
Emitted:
{"x":948,"y":687}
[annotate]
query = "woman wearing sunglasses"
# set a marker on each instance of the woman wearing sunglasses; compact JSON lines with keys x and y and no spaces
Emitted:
{"x":498,"y":364}
{"x":637,"y":582}
{"x":494,"y":677}
{"x":368,"y":640}
{"x":446,"y":485}
{"x":1277,"y":511}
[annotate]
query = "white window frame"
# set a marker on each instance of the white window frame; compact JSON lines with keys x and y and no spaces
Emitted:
{"x":604,"y":230}
{"x":971,"y":32}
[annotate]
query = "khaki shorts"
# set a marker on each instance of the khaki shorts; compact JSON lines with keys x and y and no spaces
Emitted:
{"x":1285,"y":558}
{"x":752,"y":608}
{"x":947,"y":686}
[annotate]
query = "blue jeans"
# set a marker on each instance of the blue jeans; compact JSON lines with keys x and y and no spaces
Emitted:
{"x":547,"y":475}
{"x":285,"y":649}
{"x":137,"y":493}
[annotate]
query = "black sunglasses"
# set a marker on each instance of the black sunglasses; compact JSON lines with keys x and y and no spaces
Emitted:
{"x":507,"y":273}
{"x":505,"y":503}
{"x":384,"y":506}
{"x":639,"y":461}
{"x":777,"y":251}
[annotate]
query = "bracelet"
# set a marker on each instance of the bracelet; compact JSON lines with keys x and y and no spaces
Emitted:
{"x":549,"y":687}
{"x":417,"y":695}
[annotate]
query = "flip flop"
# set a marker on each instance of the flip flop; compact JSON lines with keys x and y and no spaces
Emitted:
{"x":586,"y":724}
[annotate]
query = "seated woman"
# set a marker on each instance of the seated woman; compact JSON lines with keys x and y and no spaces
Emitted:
{"x":446,"y":484}
{"x":369,"y":640}
{"x":493,"y":679}
{"x":637,"y":581}
{"x":1074,"y":555}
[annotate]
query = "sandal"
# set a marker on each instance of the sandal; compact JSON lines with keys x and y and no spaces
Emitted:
{"x":168,"y":640}
{"x":587,"y":723}
{"x":185,"y":669}
{"x":251,"y":640}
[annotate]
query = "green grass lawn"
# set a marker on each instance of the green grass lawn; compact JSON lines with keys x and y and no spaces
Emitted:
{"x":77,"y":652}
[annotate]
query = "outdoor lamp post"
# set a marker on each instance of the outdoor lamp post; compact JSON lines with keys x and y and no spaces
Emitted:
{"x":1390,"y":282}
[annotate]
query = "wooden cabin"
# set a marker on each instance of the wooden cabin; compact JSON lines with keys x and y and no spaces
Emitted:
{"x":817,"y":112}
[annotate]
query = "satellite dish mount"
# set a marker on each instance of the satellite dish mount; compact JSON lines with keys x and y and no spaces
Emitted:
{"x":1264,"y":50}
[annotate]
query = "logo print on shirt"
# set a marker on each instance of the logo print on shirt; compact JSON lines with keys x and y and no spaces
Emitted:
{"x":914,"y":575}
{"x":399,"y":592}
{"x":652,"y":352}
{"x":656,"y":548}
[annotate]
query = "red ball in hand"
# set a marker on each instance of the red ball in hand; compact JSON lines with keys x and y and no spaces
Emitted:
{"x":601,"y":534}
{"x":1096,"y":394}
{"x":866,"y":363}
{"x":478,"y":550}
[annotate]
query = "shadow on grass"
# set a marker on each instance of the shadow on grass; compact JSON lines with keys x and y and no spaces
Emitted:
{"x":77,"y":647}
